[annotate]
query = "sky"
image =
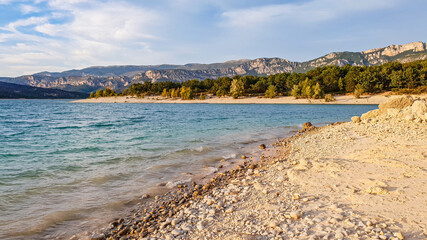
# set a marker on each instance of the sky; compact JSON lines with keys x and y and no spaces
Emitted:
{"x":59,"y":35}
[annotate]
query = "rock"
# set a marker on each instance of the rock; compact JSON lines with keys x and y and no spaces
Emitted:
{"x":371,"y":114}
{"x":252,"y":166}
{"x":356,"y":119}
{"x":258,"y":186}
{"x":419,"y":108}
{"x":176,"y":232}
{"x":97,"y":237}
{"x":262,"y":146}
{"x":399,"y":235}
{"x":229,"y":210}
{"x":200,"y":226}
{"x":243,"y":157}
{"x":307,"y":126}
{"x":295,"y":215}
{"x":376,"y":190}
{"x":399,"y":102}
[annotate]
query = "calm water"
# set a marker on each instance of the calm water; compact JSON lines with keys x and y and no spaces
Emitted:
{"x":67,"y":167}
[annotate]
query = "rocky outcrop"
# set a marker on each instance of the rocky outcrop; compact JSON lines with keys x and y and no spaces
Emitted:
{"x":401,"y":108}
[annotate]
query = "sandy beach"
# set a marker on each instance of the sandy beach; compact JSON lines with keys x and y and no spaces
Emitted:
{"x":363,"y":179}
{"x":344,"y":99}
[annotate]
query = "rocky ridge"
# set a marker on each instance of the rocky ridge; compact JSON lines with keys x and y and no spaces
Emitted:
{"x":119,"y":77}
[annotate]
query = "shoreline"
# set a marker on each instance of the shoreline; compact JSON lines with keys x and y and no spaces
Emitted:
{"x":299,"y":189}
{"x":342,"y":99}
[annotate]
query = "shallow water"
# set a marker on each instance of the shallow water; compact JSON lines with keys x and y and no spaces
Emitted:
{"x":67,"y":167}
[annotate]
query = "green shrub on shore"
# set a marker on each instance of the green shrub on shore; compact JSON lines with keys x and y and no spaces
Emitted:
{"x":329,"y":98}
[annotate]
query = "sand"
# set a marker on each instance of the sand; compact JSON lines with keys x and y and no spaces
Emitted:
{"x":354,"y":180}
{"x":344,"y":99}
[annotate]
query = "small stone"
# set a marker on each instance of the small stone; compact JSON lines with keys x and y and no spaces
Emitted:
{"x":97,"y":237}
{"x":295,"y":215}
{"x":399,"y":235}
{"x":229,"y":210}
{"x":200,"y":226}
{"x":176,"y":232}
{"x":262,"y":146}
{"x":243,"y":157}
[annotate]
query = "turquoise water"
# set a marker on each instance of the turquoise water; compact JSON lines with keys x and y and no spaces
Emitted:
{"x":68,"y":167}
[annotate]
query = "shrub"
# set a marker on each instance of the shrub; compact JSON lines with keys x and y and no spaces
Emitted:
{"x":202,"y":96}
{"x":329,"y":98}
{"x":358,"y":91}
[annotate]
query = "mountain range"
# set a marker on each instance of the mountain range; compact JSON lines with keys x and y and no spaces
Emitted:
{"x":11,"y":90}
{"x":120,"y":77}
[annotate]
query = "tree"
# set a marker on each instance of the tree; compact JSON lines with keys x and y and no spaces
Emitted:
{"x":108,"y":92}
{"x":165,"y":93}
{"x":99,"y":93}
{"x":317,"y":91}
{"x":296,"y":91}
{"x":271,"y":92}
{"x":186,"y":93}
{"x":92,"y":95}
{"x":307,"y":91}
{"x":237,"y":88}
{"x":341,"y":84}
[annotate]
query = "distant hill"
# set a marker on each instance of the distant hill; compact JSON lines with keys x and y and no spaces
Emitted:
{"x":120,"y":77}
{"x":10,"y":90}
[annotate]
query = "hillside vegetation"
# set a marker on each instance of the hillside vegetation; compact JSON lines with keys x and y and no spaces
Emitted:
{"x":395,"y":76}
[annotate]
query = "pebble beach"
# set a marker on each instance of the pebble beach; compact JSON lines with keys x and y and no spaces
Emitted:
{"x":362,"y":179}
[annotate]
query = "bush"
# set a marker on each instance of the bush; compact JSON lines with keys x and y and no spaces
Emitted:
{"x":202,"y":96}
{"x":329,"y":98}
{"x":358,"y":91}
{"x":271,"y":92}
{"x":92,"y":95}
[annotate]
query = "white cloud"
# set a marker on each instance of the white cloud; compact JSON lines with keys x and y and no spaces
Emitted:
{"x":308,"y":12}
{"x":26,"y":9}
{"x":88,"y":33}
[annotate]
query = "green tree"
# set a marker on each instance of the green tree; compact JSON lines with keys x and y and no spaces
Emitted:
{"x":99,"y":93}
{"x":237,"y":88}
{"x":341,"y":84}
{"x":165,"y":93}
{"x":186,"y":93}
{"x":296,"y":91}
{"x":92,"y":95}
{"x":317,"y":91}
{"x":271,"y":92}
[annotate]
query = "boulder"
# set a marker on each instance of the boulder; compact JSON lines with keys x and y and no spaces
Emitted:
{"x":419,"y":108}
{"x":399,"y":102}
{"x":355,"y":119}
{"x":306,"y":125}
{"x":371,"y":114}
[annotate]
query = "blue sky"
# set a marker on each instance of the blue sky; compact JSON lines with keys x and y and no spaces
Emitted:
{"x":58,"y":35}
